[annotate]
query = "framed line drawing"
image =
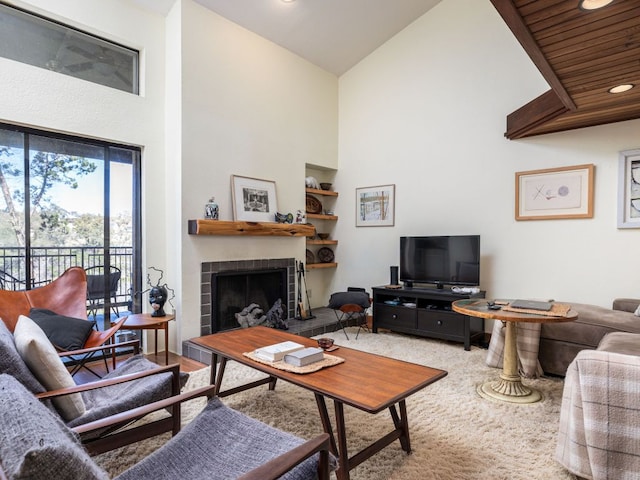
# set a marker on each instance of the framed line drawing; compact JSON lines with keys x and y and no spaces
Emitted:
{"x":375,"y":206}
{"x":629,"y":189}
{"x":555,"y":193}
{"x":254,"y":200}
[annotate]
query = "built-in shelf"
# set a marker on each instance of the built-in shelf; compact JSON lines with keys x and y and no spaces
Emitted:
{"x":314,"y":266}
{"x":317,"y":191}
{"x":321,"y":216}
{"x":322,"y":242}
{"x":265,"y":229}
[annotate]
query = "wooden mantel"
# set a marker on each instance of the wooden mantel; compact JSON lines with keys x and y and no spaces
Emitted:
{"x":264,"y":229}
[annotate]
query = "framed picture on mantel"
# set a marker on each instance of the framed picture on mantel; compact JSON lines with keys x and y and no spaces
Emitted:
{"x":375,"y":206}
{"x":254,"y":200}
{"x":555,"y":193}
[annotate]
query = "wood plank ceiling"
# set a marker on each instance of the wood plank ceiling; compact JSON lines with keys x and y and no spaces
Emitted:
{"x":581,"y":54}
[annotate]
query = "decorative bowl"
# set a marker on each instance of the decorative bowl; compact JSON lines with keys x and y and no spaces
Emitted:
{"x":325,"y":342}
{"x":323,"y":236}
{"x":325,"y":186}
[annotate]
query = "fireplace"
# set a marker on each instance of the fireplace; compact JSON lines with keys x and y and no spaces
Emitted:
{"x":228,"y":287}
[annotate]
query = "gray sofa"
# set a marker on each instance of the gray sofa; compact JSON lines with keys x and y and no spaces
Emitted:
{"x":561,"y":342}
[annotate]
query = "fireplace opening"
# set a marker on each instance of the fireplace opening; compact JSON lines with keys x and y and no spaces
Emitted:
{"x":234,"y":290}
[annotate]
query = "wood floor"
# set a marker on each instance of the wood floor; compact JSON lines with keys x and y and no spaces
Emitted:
{"x":186,"y":365}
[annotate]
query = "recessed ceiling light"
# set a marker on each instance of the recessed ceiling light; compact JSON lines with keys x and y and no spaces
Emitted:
{"x":621,"y":88}
{"x":594,"y":4}
{"x":288,"y":1}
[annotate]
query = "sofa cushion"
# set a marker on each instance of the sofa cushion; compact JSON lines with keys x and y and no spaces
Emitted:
{"x":103,"y":402}
{"x":68,"y":333}
{"x":220,"y":443}
{"x":35,"y":444}
{"x":592,"y":324}
{"x":42,"y":359}
{"x":11,"y":362}
{"x":621,"y":342}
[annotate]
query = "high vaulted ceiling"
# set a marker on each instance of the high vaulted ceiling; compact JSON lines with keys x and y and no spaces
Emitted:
{"x":581,"y":54}
{"x":333,"y":34}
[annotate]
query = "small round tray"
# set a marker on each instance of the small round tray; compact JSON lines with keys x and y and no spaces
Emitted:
{"x":325,"y":255}
{"x":313,"y":204}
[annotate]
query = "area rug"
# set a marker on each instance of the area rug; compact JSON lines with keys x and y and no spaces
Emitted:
{"x":455,"y":434}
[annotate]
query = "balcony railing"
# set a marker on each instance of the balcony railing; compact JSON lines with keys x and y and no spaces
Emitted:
{"x":48,"y":263}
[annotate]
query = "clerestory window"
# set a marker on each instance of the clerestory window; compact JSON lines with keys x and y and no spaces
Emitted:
{"x":35,"y":40}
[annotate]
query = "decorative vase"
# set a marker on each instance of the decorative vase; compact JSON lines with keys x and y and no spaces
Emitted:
{"x":211,"y":209}
{"x":157,"y":298}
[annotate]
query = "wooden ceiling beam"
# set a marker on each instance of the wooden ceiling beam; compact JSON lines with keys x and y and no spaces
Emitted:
{"x":534,"y":114}
{"x":514,"y":21}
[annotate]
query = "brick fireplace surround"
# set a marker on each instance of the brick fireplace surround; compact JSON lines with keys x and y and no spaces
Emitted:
{"x":207,"y":302}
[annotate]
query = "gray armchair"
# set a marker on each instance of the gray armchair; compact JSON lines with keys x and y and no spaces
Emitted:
{"x":219,"y":443}
{"x":136,"y":382}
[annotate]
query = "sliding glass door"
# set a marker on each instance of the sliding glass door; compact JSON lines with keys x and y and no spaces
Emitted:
{"x":65,"y":202}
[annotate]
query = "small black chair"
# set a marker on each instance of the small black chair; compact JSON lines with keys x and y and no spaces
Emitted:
{"x":351,"y":305}
{"x":96,"y":283}
{"x":9,"y":282}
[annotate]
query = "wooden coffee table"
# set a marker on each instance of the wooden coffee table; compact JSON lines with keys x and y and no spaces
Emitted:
{"x":366,"y":381}
{"x":510,"y":387}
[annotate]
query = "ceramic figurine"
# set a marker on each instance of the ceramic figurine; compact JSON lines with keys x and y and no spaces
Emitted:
{"x":211,"y":209}
{"x":301,"y":216}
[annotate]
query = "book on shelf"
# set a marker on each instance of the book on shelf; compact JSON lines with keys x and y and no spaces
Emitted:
{"x":306,"y":356}
{"x":277,"y":351}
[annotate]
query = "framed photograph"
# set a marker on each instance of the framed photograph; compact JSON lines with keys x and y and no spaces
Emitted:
{"x":555,"y":193}
{"x":254,"y":200}
{"x":629,"y":189}
{"x":375,"y":206}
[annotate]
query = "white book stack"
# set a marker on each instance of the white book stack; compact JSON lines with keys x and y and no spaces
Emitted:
{"x":277,"y":351}
{"x":301,"y":358}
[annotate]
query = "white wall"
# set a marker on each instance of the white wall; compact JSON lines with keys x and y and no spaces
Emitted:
{"x":42,"y":99}
{"x":250,"y":108}
{"x":427,"y":111}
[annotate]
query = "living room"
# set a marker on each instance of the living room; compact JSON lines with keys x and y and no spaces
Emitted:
{"x":425,"y":112}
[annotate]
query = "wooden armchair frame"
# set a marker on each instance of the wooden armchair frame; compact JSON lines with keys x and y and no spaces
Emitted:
{"x":113,"y":437}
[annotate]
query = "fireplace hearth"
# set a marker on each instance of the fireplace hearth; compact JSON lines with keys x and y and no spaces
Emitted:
{"x":228,"y":287}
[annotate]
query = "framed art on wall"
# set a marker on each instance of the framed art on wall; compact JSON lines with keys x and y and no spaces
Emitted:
{"x":375,"y":206}
{"x":555,"y":193}
{"x":629,"y":189}
{"x":254,"y":200}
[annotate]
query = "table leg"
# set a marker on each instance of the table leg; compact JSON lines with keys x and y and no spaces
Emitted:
{"x":510,"y":387}
{"x":401,"y":423}
{"x":155,"y":331}
{"x":326,"y":422}
{"x":343,"y":455}
{"x":166,"y":343}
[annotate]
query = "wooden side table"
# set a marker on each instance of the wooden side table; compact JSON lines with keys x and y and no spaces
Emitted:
{"x":510,"y":387}
{"x":144,"y":321}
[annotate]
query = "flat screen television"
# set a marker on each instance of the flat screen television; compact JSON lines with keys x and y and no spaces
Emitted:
{"x":440,"y":260}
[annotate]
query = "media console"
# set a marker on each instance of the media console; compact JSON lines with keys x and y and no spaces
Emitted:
{"x":425,"y":312}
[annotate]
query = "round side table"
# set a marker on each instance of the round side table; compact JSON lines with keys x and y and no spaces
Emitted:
{"x":144,"y":321}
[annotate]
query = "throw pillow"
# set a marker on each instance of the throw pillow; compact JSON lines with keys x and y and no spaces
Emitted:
{"x":65,"y":332}
{"x":35,"y":444}
{"x":42,"y":359}
{"x":12,"y":364}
